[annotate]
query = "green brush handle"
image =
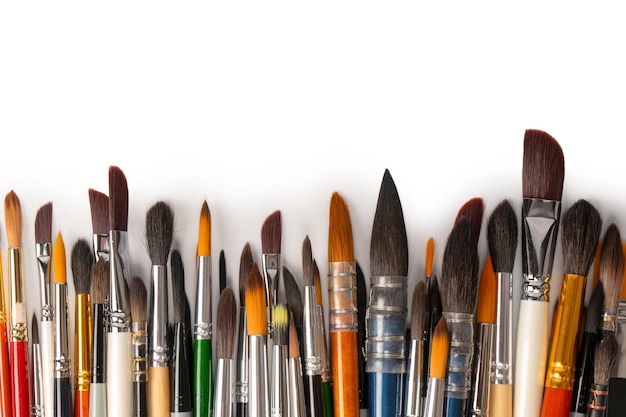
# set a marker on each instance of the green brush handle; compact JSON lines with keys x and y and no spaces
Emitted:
{"x":202,"y":378}
{"x":327,"y":393}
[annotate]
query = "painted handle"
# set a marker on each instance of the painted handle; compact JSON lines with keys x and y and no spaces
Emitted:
{"x":501,"y":400}
{"x":241,"y":410}
{"x":63,"y":397}
{"x":327,"y":395}
{"x":159,"y":404}
{"x":385,"y":394}
{"x":557,"y":402}
{"x":530,"y":358}
{"x":81,"y":404}
{"x":98,"y":400}
{"x":46,"y":339}
{"x":313,"y":395}
{"x":19,"y":379}
{"x":344,"y":350}
{"x":140,"y":399}
{"x":5,"y":372}
{"x":119,"y":374}
{"x":202,"y":378}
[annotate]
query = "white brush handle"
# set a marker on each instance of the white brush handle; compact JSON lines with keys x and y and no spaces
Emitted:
{"x":119,"y":375}
{"x":46,"y":335}
{"x":530,"y":358}
{"x":98,"y":400}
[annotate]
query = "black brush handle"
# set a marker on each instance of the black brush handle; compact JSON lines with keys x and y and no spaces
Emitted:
{"x":62,"y":397}
{"x":242,"y":410}
{"x":314,"y":396}
{"x":584,"y":372}
{"x":140,"y":408}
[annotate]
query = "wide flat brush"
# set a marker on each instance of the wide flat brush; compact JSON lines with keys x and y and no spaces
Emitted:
{"x":611,"y":274}
{"x":99,"y":206}
{"x":225,"y":337}
{"x":543,"y":170}
{"x":279,"y":385}
{"x":343,"y":310}
{"x":138,"y":309}
{"x":605,"y":360}
{"x":294,"y":300}
{"x":98,"y":291}
{"x":271,"y":236}
{"x":327,"y":380}
{"x":296,"y":385}
{"x":581,"y":229}
{"x":62,"y":362}
{"x":241,"y":387}
{"x":434,"y":404}
{"x":387,"y":310}
{"x":413,"y":401}
{"x":36,"y":389}
{"x":361,"y":302}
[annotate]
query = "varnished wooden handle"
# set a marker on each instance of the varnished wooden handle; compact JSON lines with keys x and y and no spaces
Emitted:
{"x":344,"y":348}
{"x":501,"y":400}
{"x":159,"y":392}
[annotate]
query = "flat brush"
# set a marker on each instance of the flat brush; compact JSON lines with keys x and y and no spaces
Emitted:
{"x":241,"y":387}
{"x":434,"y":405}
{"x":580,"y":233}
{"x":611,"y":274}
{"x":413,"y":401}
{"x":98,"y":291}
{"x":271,"y":236}
{"x":387,"y":310}
{"x":62,"y":363}
{"x":361,"y":302}
{"x":226,"y":321}
{"x":37,"y":378}
{"x":543,"y":170}
{"x":343,"y":310}
{"x":138,"y":309}
{"x":605,"y":360}
{"x":279,"y":392}
{"x":294,"y":300}
{"x":327,"y":380}
{"x":99,"y":206}
{"x":296,"y":384}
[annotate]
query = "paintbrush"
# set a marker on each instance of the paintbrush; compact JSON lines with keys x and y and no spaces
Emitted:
{"x":82,"y":260}
{"x":271,"y":235}
{"x":62,"y":362}
{"x":580,"y":233}
{"x":605,"y":360}
{"x":502,"y":242}
{"x":621,"y":365}
{"x":119,"y":344}
{"x":294,"y":300}
{"x":203,"y":349}
{"x":327,"y":381}
{"x":256,"y":316}
{"x":241,"y":388}
{"x":542,"y":186}
{"x":413,"y":401}
{"x":589,"y":341}
{"x":296,"y":385}
{"x":361,"y":302}
{"x":433,"y":310}
{"x":310,"y":332}
{"x":385,"y":347}
{"x":225,"y":335}
{"x":98,"y":291}
{"x":43,"y":251}
{"x":99,"y":205}
{"x":473,"y":211}
{"x":180,"y":391}
{"x":36,"y":388}
{"x":222,"y":271}
{"x":138,"y":309}
{"x":159,"y":234}
{"x":343,"y":310}
{"x":434,"y":404}
{"x":279,"y":385}
{"x":611,"y":274}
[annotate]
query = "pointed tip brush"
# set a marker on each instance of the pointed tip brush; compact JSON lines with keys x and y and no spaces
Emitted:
{"x":433,"y":306}
{"x":225,"y":346}
{"x":413,"y":402}
{"x":605,"y":360}
{"x":294,"y":300}
{"x":611,"y":273}
{"x":37,"y":393}
{"x":296,"y":388}
{"x":434,"y":404}
{"x":327,"y":385}
{"x":138,"y":308}
{"x":241,"y":393}
{"x":222,"y":271}
{"x":362,"y":301}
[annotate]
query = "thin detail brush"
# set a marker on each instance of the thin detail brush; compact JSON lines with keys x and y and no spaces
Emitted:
{"x":241,"y":387}
{"x":138,"y":309}
{"x":413,"y":401}
{"x":605,"y":360}
{"x":294,"y":300}
{"x":296,"y":384}
{"x":271,"y":236}
{"x":62,"y":362}
{"x":225,"y":338}
{"x":611,"y":275}
{"x":327,"y":380}
{"x":37,"y":377}
{"x":361,"y":302}
{"x":98,"y":291}
{"x":180,"y":390}
{"x":434,"y":405}
{"x":279,"y":392}
{"x":222,"y":271}
{"x":433,"y":310}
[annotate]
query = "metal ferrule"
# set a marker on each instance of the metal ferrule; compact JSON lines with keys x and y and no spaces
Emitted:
{"x":101,"y":246}
{"x":202,"y":328}
{"x":62,"y":368}
{"x":621,"y":311}
{"x":158,"y":321}
{"x":241,"y":391}
{"x":43,"y":253}
{"x":119,"y":273}
{"x":37,"y":385}
{"x":98,"y":346}
{"x":140,"y":351}
{"x":279,"y":404}
{"x":482,"y":362}
{"x":223,"y":399}
{"x":598,"y":400}
{"x":609,"y":319}
{"x":385,"y":324}
{"x":502,"y":352}
{"x":19,"y":329}
{"x":433,"y":406}
{"x":310,"y":330}
{"x":413,"y":401}
{"x":461,"y":355}
{"x":540,"y":225}
{"x":3,"y":315}
{"x":296,"y":388}
{"x":342,"y":298}
{"x":258,"y":398}
{"x":321,"y":338}
{"x":562,"y":357}
{"x":82,"y":342}
{"x":271,"y":272}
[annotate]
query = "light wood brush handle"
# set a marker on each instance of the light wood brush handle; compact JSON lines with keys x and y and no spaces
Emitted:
{"x":501,"y":400}
{"x":159,"y":404}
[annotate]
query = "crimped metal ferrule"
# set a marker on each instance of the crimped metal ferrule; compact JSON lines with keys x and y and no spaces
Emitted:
{"x":119,"y":273}
{"x":43,"y":254}
{"x":202,"y":327}
{"x":158,"y":318}
{"x":101,"y":246}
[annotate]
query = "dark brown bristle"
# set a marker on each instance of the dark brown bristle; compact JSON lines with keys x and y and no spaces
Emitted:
{"x":419,"y":312}
{"x":43,"y":224}
{"x":294,"y":343}
{"x":271,"y":233}
{"x":473,"y":210}
{"x":13,"y":219}
{"x":543,"y":167}
{"x":256,"y":313}
{"x":159,"y":232}
{"x":340,"y":243}
{"x":99,"y":281}
{"x":361,"y":302}
{"x":178,"y":286}
{"x":439,"y":350}
{"x":138,"y":299}
{"x":594,"y":309}
{"x":245,"y":264}
{"x":99,"y":205}
{"x":307,"y":263}
{"x":581,"y":227}
{"x":389,"y":254}
{"x":118,"y":199}
{"x":459,"y":270}
{"x":226,"y":322}
{"x":34,"y":327}
{"x":605,"y":359}
{"x":611,"y":269}
{"x":502,"y":237}
{"x":294,"y":298}
{"x":318,"y":284}
{"x":281,"y":325}
{"x":486,"y":304}
{"x":82,"y":261}
{"x":222,"y":271}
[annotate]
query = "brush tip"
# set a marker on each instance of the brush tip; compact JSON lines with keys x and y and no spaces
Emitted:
{"x":99,"y":281}
{"x":293,"y":294}
{"x":81,"y":261}
{"x":34,"y":330}
{"x":99,"y":206}
{"x":256,"y":313}
{"x":543,"y":166}
{"x":340,"y":241}
{"x":581,"y":228}
{"x":502,"y":237}
{"x":487,"y":294}
{"x":430,"y":255}
{"x":271,"y":233}
{"x":204,"y":233}
{"x":58,"y":261}
{"x":280,"y":317}
{"x":178,"y":286}
{"x":43,"y":224}
{"x":439,"y":351}
{"x":226,"y":319}
{"x":245,"y":264}
{"x":13,"y":219}
{"x":159,"y":232}
{"x":138,"y":299}
{"x":611,"y":269}
{"x":308,"y":273}
{"x":419,"y":311}
{"x":118,"y":199}
{"x":473,"y":210}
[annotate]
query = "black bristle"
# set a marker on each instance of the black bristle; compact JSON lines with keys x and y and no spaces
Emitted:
{"x":581,"y":227}
{"x":594,"y":309}
{"x":294,"y":300}
{"x":271,"y":233}
{"x":82,"y":261}
{"x":502,"y":237}
{"x":118,"y":199}
{"x":178,"y":286}
{"x":159,"y":232}
{"x":611,"y":269}
{"x":222,"y":271}
{"x":34,"y":327}
{"x":245,"y":265}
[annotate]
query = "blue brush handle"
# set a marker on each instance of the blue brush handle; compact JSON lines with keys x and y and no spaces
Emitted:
{"x":455,"y":407}
{"x":385,"y":394}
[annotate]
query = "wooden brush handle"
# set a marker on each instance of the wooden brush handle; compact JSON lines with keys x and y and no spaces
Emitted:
{"x":159,"y":404}
{"x":81,"y":404}
{"x":557,"y":402}
{"x":19,"y":379}
{"x":501,"y":400}
{"x":344,"y":348}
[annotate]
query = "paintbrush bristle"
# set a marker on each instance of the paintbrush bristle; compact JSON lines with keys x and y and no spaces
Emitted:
{"x":222,"y":271}
{"x":99,"y":281}
{"x":271,"y":233}
{"x":581,"y":227}
{"x":434,"y":297}
{"x":543,"y":166}
{"x":204,"y":231}
{"x":611,"y":269}
{"x":34,"y":327}
{"x":594,"y":309}
{"x":178,"y":286}
{"x":293,"y":295}
{"x":340,"y":243}
{"x":82,"y":261}
{"x":307,"y":263}
{"x":256,"y":313}
{"x":43,"y":224}
{"x":605,"y":359}
{"x":226,"y":324}
{"x":281,"y":325}
{"x":502,"y":237}
{"x":361,"y":302}
{"x":487,"y":294}
{"x":159,"y":232}
{"x":430,"y":256}
{"x":459,"y":270}
{"x":118,"y":199}
{"x":318,"y":283}
{"x":138,"y":299}
{"x":99,"y":206}
{"x":13,"y":219}
{"x":389,"y":254}
{"x":245,"y":264}
{"x":439,"y":350}
{"x":294,"y":343}
{"x":59,"y":269}
{"x":419,"y":311}
{"x":473,"y":210}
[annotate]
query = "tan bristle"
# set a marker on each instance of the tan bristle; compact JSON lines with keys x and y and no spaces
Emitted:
{"x":430,"y":254}
{"x":487,"y":294}
{"x":138,"y":299}
{"x":59,"y":266}
{"x":204,"y":234}
{"x":318,"y":283}
{"x":340,"y":243}
{"x":13,"y":219}
{"x":99,"y":281}
{"x":439,"y":350}
{"x":294,"y":343}
{"x":256,"y":313}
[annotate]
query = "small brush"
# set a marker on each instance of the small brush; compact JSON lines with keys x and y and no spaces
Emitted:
{"x":138,"y":309}
{"x":611,"y":274}
{"x":605,"y":360}
{"x":99,"y":205}
{"x":271,"y":236}
{"x":413,"y":401}
{"x":180,"y":388}
{"x":296,"y":384}
{"x":279,"y":392}
{"x":222,"y":271}
{"x":37,"y":378}
{"x":327,"y":380}
{"x":225,"y":337}
{"x":241,"y":388}
{"x":434,"y":405}
{"x":98,"y":291}
{"x":361,"y":302}
{"x":62,"y":362}
{"x":294,"y":300}
{"x":433,"y":310}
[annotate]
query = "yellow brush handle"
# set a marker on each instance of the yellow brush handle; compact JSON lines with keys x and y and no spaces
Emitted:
{"x":501,"y":400}
{"x":159,"y":392}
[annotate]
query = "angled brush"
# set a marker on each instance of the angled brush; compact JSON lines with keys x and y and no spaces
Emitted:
{"x":99,"y":205}
{"x":241,"y":387}
{"x":225,"y":338}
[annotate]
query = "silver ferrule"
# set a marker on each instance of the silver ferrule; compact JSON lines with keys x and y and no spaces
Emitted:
{"x":140,"y":351}
{"x":609,"y":319}
{"x":101,"y":247}
{"x":461,"y":355}
{"x":42,"y":251}
{"x":413,"y":401}
{"x":321,"y":340}
{"x":258,"y":394}
{"x":241,"y":391}
{"x":279,"y":400}
{"x":271,"y":273}
{"x":385,"y":325}
{"x":37,"y":382}
{"x":433,"y":406}
{"x":19,"y":328}
{"x":621,"y":311}
{"x":540,"y":225}
{"x":223,"y":400}
{"x":296,"y":388}
{"x":202,"y":325}
{"x":310,"y":333}
{"x":119,"y":277}
{"x":502,"y":353}
{"x":158,"y":317}
{"x":342,"y":298}
{"x":62,"y":368}
{"x":482,"y":362}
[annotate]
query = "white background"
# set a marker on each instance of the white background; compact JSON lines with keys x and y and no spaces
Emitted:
{"x":258,"y":106}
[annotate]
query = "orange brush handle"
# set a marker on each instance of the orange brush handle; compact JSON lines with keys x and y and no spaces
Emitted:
{"x":5,"y":373}
{"x":81,"y":404}
{"x":344,"y":347}
{"x":557,"y":402}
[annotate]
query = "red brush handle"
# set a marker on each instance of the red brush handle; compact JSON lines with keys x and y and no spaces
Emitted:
{"x":81,"y":404}
{"x":19,"y":377}
{"x":557,"y":402}
{"x":5,"y":372}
